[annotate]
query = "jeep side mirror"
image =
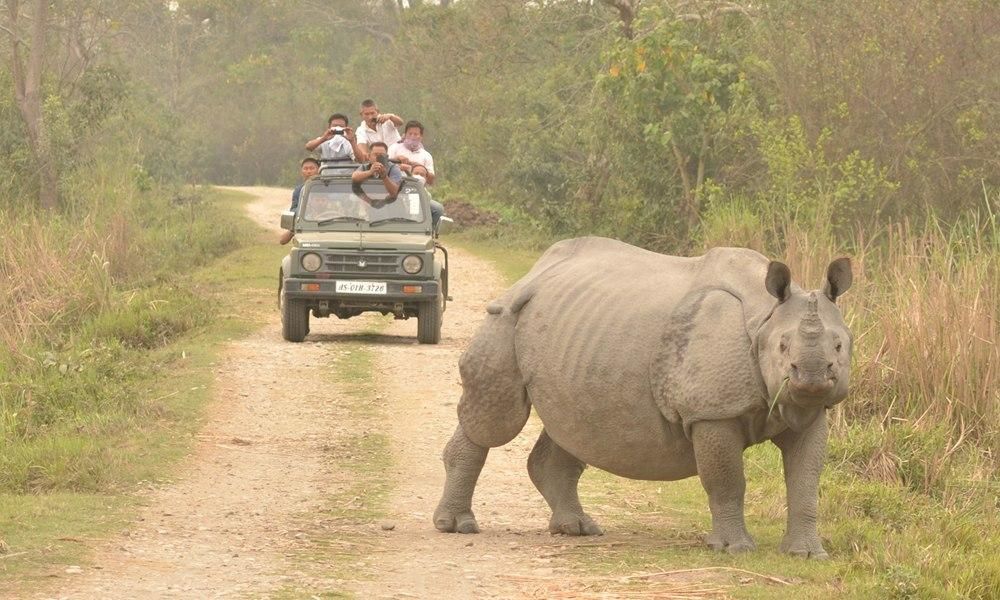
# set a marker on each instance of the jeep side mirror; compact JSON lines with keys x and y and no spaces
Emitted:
{"x":444,"y":224}
{"x":287,"y":220}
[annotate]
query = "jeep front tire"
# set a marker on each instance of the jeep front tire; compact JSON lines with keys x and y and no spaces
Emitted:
{"x":429,"y":321}
{"x":294,"y":319}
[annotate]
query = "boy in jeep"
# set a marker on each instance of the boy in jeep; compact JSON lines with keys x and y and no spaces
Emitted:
{"x":309,"y":168}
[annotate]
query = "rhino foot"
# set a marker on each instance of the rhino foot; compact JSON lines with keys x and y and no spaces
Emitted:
{"x":732,"y":543}
{"x":574,"y":524}
{"x":463,"y":522}
{"x":804,"y":546}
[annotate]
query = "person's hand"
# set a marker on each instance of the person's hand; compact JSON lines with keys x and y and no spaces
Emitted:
{"x":405,"y":167}
{"x":378,"y":169}
{"x":327,"y":135}
{"x":382,"y":118}
{"x":349,"y":134}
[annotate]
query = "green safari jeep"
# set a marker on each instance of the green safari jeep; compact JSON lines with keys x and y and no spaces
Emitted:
{"x":357,"y":250}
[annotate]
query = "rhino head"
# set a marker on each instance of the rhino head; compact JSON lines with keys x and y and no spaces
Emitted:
{"x":804,"y":347}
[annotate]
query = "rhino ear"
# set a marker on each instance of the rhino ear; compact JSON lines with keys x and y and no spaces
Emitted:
{"x":838,"y":278}
{"x":778,"y":281}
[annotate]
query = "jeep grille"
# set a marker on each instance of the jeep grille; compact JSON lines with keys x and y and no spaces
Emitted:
{"x":373,"y":263}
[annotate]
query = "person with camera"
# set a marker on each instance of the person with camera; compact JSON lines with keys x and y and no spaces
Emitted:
{"x":376,"y":127}
{"x":338,"y":142}
{"x":380,"y":168}
{"x":410,"y":151}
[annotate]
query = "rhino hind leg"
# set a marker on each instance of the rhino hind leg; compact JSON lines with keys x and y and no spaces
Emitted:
{"x":494,"y":405}
{"x":556,"y":474}
{"x":463,"y":461}
{"x":493,"y":410}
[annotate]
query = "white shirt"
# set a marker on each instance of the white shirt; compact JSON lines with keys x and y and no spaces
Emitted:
{"x":420,"y":157}
{"x":383,"y":132}
{"x":336,"y":147}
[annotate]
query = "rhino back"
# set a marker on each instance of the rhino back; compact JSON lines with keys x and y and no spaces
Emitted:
{"x":590,"y":326}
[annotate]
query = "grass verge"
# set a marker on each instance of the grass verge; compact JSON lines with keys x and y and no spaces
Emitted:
{"x":111,"y":407}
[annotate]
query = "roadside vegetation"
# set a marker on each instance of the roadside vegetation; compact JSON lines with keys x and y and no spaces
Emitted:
{"x":102,"y":391}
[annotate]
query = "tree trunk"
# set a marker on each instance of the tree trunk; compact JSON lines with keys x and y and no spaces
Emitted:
{"x":626,"y":12}
{"x":689,"y":210}
{"x":28,"y":96}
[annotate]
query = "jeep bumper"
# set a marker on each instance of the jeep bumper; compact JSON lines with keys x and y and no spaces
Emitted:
{"x":396,"y":291}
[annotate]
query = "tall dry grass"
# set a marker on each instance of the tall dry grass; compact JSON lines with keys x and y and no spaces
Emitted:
{"x":927,"y":316}
{"x":925,"y":313}
{"x":55,"y":271}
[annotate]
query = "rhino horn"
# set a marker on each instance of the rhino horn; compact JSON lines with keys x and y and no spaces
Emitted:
{"x":811,"y":325}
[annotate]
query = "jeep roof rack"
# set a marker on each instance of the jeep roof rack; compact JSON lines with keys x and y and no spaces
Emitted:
{"x":337,"y":166}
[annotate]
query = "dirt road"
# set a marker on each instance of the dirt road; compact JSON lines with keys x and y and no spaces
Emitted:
{"x":232,"y":524}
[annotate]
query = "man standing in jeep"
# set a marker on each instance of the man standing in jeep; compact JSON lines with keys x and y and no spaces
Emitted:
{"x":376,"y":127}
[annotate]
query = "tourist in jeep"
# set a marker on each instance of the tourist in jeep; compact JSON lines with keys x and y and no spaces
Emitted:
{"x":376,"y":127}
{"x":410,"y":151}
{"x":419,"y":172}
{"x":380,"y":168}
{"x":338,"y":142}
{"x":309,"y":168}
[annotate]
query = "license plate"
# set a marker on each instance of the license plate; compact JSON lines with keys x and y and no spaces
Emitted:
{"x":361,"y":287}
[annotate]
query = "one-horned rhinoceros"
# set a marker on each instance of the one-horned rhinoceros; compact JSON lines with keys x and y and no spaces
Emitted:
{"x":654,"y":367}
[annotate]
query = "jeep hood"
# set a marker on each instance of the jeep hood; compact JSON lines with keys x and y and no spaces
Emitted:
{"x":364,"y":240}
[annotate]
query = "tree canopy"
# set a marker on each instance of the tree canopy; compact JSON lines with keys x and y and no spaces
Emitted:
{"x":626,"y":118}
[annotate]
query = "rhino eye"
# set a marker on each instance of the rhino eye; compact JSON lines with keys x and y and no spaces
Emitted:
{"x":783,"y":346}
{"x":839,"y":346}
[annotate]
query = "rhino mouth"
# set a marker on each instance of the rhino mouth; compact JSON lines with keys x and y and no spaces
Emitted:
{"x":811,"y":392}
{"x":809,"y":387}
{"x":799,"y":404}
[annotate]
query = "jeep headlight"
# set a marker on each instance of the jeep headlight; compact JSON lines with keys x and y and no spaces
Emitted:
{"x":412,"y":264}
{"x":311,"y":261}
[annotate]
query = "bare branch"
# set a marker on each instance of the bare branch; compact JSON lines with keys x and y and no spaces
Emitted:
{"x":627,"y":10}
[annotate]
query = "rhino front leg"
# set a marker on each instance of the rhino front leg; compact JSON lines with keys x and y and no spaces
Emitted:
{"x":803,"y":454}
{"x":463,"y":461}
{"x":718,"y":450}
{"x":556,"y":474}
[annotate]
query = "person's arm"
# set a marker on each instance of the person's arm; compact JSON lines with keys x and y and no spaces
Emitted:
{"x":396,"y":119}
{"x":429,"y":163}
{"x":361,"y":175}
{"x":351,"y":137}
{"x":390,"y":184}
{"x":397,"y":155}
{"x":362,"y":153}
{"x":316,"y":141}
{"x":374,"y":168}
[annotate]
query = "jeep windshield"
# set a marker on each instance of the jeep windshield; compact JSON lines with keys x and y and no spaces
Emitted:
{"x":345,"y":202}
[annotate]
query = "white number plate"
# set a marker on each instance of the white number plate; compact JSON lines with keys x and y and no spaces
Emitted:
{"x":361,"y":287}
